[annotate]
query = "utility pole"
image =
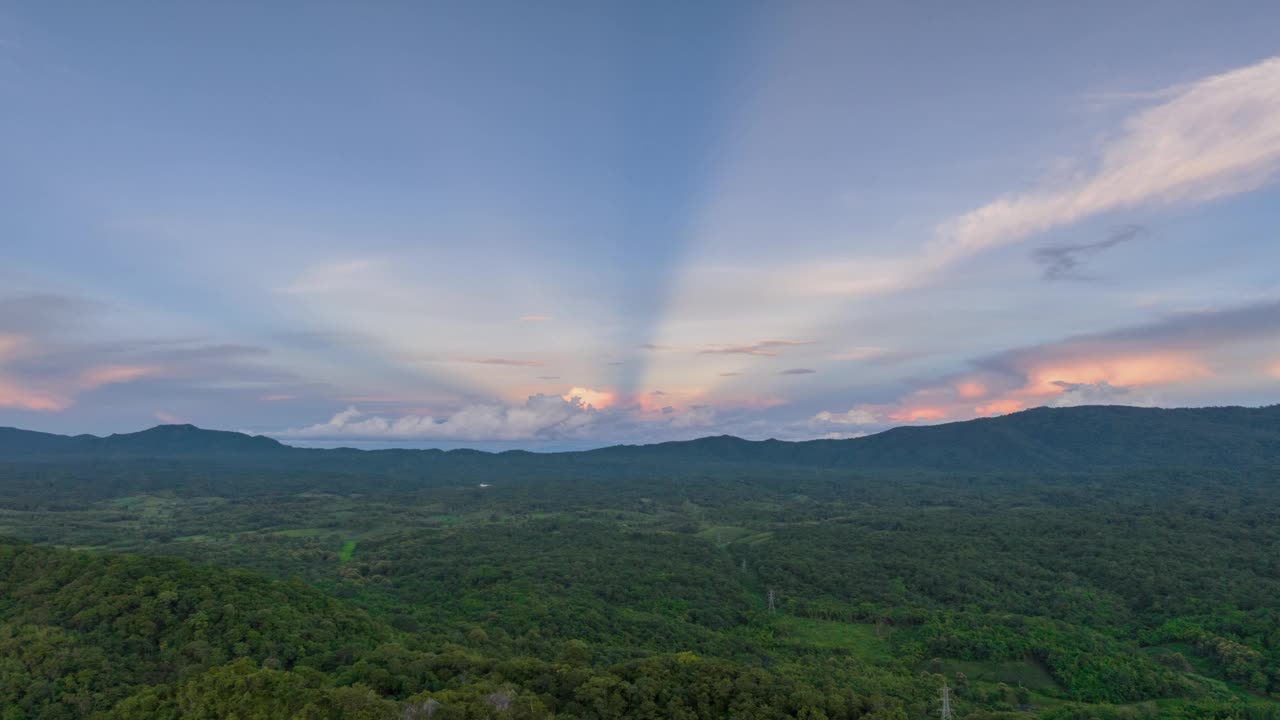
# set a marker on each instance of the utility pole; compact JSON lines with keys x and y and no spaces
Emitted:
{"x":946,"y":702}
{"x":771,"y":605}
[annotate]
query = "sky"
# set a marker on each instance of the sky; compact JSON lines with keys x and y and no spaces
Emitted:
{"x":571,"y":224}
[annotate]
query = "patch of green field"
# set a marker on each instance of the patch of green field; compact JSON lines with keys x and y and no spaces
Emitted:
{"x":348,"y":549}
{"x":147,"y":507}
{"x":862,"y":640}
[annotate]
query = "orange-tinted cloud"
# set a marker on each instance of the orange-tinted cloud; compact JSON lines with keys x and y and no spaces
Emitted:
{"x":13,"y":396}
{"x":970,"y":389}
{"x":598,"y":399}
{"x":919,"y":414}
{"x":1121,"y":371}
{"x":111,"y":374}
{"x":1000,"y":407}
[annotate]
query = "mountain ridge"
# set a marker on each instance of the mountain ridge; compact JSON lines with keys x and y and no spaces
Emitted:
{"x":1039,"y":438}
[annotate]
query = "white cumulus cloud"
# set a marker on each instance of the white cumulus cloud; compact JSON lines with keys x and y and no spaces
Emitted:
{"x":539,"y":416}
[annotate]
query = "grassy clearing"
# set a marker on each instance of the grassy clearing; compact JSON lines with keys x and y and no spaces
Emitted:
{"x":348,"y":549}
{"x":859,"y":639}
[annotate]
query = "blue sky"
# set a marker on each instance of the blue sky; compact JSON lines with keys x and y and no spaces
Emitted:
{"x":501,"y":225}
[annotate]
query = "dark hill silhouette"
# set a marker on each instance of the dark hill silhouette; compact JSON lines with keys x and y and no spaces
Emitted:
{"x":159,"y":440}
{"x":1039,"y":439}
{"x":1042,"y":439}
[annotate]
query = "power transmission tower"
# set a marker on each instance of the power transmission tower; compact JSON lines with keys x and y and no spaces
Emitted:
{"x":771,"y":605}
{"x":946,"y":702}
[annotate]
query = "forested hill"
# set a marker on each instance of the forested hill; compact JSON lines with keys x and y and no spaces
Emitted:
{"x":1058,"y":439}
{"x":1078,"y":438}
{"x":159,"y":440}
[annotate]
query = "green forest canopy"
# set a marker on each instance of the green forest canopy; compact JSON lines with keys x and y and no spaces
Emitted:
{"x":1028,"y":561}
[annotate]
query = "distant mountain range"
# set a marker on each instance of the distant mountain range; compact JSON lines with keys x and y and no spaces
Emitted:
{"x":1048,"y":439}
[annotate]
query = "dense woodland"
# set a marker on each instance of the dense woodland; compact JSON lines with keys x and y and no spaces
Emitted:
{"x":1059,"y":564}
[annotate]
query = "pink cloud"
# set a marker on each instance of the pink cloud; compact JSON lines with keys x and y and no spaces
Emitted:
{"x":112,"y":374}
{"x":1000,"y":407}
{"x":919,"y":414}
{"x":1159,"y":368}
{"x":766,"y":348}
{"x":11,"y":395}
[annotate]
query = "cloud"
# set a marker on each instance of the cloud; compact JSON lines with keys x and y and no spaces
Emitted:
{"x":767,"y":348}
{"x":860,"y":415}
{"x":547,"y":377}
{"x":506,"y":361}
{"x":43,"y":313}
{"x":1214,"y":137}
{"x":597,"y":399}
{"x":698,"y":416}
{"x":535,"y":318}
{"x":111,"y":374}
{"x":1127,"y":365}
{"x":730,"y":374}
{"x":13,"y":395}
{"x":51,"y":370}
{"x":1000,"y":407}
{"x":1061,"y":262}
{"x":1168,"y":345}
{"x":1099,"y":393}
{"x":797,"y":371}
{"x":860,"y":353}
{"x":919,"y":414}
{"x":539,"y":418}
{"x":1198,"y":141}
